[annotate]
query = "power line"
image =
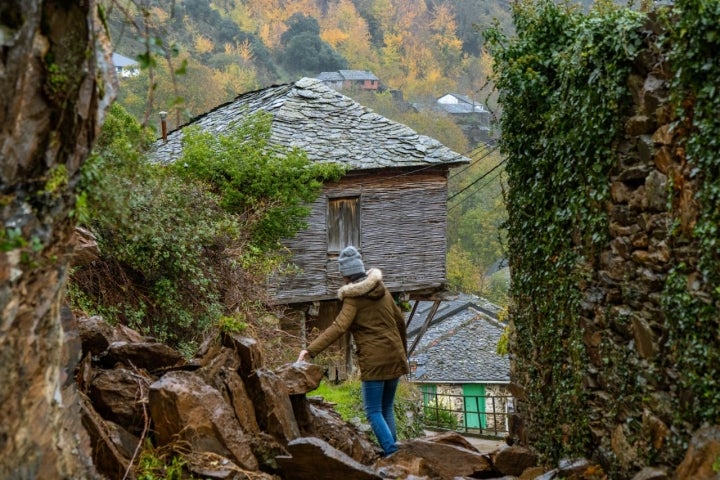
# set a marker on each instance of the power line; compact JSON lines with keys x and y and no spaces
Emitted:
{"x":478,"y":179}
{"x":476,"y":150}
{"x":479,"y":189}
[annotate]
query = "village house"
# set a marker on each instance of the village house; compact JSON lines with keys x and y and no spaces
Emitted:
{"x":472,"y":117}
{"x":454,"y":362}
{"x":125,"y":67}
{"x":350,"y":79}
{"x":391,"y":204}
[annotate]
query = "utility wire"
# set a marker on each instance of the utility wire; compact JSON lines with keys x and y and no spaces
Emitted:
{"x":478,"y":179}
{"x":479,"y":189}
{"x":477,"y":151}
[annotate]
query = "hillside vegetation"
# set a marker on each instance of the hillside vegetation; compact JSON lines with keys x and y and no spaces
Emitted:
{"x":225,"y":47}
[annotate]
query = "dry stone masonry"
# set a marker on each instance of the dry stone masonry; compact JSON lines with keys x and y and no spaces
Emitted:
{"x":631,"y":384}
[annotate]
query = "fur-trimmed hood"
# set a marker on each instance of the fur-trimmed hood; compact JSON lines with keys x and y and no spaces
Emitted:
{"x":372,"y":286}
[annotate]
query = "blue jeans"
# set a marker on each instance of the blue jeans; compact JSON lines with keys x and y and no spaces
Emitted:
{"x":378,"y":398}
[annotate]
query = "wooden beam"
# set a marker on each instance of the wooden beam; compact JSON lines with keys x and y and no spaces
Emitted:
{"x":428,"y":319}
{"x":412,"y":313}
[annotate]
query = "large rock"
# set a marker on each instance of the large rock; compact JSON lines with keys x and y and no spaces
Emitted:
{"x":117,"y":395}
{"x":248,"y":350}
{"x":183,"y":407}
{"x":702,"y":456}
{"x":445,"y":460}
{"x":300,"y":377}
{"x":273,"y":408}
{"x":109,"y":460}
{"x":233,"y":389}
{"x":314,"y":459}
{"x":97,"y":335}
{"x":220,"y":367}
{"x":147,"y":355}
{"x":451,"y":438}
{"x":327,"y":424}
{"x":213,"y":466}
{"x":514,"y":460}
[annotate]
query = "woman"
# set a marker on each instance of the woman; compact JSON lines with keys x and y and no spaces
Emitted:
{"x":378,"y":327}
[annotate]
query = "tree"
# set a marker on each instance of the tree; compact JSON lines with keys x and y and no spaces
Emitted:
{"x":347,"y":32}
{"x":308,"y":54}
{"x":55,"y":82}
{"x":299,"y":24}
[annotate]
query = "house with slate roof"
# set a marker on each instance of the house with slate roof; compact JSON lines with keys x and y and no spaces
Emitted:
{"x":457,"y":103}
{"x":455,"y":364}
{"x":124,"y":66}
{"x":350,"y":79}
{"x":471,"y":116}
{"x":391,"y":204}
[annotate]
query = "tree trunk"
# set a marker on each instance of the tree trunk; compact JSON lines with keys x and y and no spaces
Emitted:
{"x":55,"y":82}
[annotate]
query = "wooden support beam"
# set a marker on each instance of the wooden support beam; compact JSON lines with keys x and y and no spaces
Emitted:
{"x":412,"y":313}
{"x":426,"y":323}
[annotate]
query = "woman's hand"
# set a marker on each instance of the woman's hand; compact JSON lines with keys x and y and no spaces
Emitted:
{"x":303,"y":354}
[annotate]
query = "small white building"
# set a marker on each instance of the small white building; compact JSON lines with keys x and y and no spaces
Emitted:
{"x":457,"y":104}
{"x":125,"y":67}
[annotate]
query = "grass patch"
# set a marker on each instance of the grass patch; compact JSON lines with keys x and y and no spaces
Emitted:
{"x":347,"y":398}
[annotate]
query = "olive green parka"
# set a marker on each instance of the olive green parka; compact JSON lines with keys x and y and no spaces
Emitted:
{"x":377,"y":325}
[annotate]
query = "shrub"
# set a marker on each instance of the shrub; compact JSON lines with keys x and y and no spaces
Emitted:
{"x":182,"y":246}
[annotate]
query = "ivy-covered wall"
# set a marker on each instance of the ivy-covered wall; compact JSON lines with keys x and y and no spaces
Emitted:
{"x":612,"y":134}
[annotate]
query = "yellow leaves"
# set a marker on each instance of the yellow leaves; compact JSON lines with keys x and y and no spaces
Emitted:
{"x":242,"y":15}
{"x":271,"y":32}
{"x":265,"y":35}
{"x":334,"y":37}
{"x":393,"y":47}
{"x":203,"y":44}
{"x":243,"y":50}
{"x":462,"y":274}
{"x":235,"y":79}
{"x":443,"y":19}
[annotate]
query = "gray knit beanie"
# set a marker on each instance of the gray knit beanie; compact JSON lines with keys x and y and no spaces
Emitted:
{"x":350,"y":262}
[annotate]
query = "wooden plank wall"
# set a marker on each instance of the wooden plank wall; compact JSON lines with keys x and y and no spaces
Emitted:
{"x":403,"y":233}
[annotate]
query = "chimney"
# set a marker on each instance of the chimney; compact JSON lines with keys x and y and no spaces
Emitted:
{"x":163,"y":124}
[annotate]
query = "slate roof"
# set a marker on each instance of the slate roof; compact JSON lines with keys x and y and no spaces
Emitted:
{"x":122,"y":61}
{"x":460,"y":344}
{"x":329,"y":126}
{"x":330,"y":77}
{"x":357,"y":75}
{"x":462,"y":98}
{"x":459,"y":108}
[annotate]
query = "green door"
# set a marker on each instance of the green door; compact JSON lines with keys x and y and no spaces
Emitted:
{"x":429,"y":394}
{"x":474,"y":400}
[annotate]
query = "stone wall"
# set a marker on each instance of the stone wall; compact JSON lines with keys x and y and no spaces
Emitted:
{"x":630,"y":383}
{"x":625,"y":325}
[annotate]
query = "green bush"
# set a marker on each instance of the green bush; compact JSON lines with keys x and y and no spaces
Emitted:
{"x":438,"y":416}
{"x":182,"y":246}
{"x":270,"y":189}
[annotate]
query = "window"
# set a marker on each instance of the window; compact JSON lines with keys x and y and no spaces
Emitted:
{"x":343,"y":223}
